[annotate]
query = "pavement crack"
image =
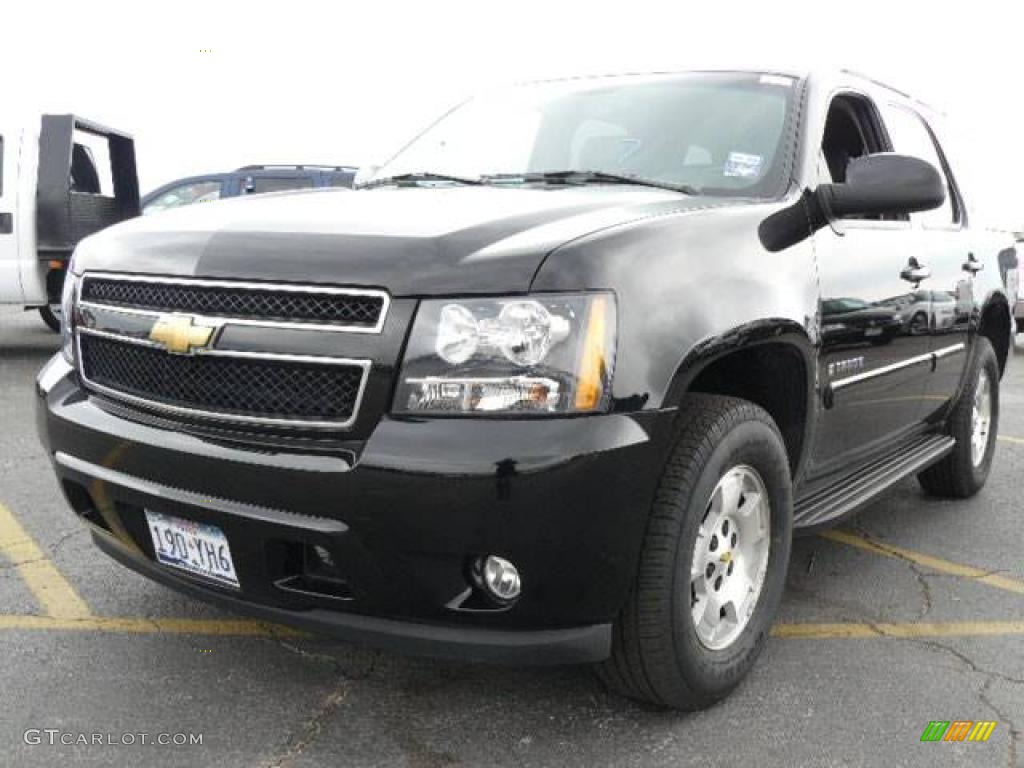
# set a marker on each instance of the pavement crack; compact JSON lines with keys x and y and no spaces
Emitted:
{"x":308,"y":731}
{"x":926,"y":590}
{"x":990,"y":676}
{"x":69,"y":535}
{"x":922,"y":577}
{"x":300,"y":651}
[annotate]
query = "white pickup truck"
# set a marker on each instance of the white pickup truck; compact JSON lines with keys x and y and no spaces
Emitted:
{"x":61,"y":178}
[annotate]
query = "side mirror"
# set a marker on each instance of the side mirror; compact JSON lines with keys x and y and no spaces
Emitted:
{"x":883,"y":184}
{"x":875,"y":184}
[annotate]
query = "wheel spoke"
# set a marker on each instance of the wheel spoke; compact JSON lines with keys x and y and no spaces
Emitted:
{"x":731,"y":488}
{"x":710,"y":615}
{"x":752,"y":501}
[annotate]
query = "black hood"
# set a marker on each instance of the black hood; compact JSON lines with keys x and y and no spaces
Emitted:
{"x":411,"y":241}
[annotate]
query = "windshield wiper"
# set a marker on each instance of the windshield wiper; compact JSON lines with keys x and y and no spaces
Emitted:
{"x":592,"y":177}
{"x":415,"y":178}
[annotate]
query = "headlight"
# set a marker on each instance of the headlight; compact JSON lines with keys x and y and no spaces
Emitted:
{"x":540,"y":354}
{"x":67,"y":315}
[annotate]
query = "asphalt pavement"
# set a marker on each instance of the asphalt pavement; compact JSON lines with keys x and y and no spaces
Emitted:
{"x":912,"y":612}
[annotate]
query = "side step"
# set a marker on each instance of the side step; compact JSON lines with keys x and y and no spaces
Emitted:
{"x":852,"y":491}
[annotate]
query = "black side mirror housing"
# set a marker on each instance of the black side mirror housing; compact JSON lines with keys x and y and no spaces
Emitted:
{"x":885,"y":183}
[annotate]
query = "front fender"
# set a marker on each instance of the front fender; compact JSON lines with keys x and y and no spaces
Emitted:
{"x":690,"y":286}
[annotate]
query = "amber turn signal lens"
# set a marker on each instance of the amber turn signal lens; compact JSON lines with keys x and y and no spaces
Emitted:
{"x":593,"y":361}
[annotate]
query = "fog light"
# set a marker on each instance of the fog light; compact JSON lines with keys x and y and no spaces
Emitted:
{"x":500,"y":578}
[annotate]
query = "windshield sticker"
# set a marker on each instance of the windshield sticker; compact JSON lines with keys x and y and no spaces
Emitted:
{"x":786,"y":82}
{"x":743,"y":166}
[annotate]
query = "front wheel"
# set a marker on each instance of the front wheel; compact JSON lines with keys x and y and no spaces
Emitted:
{"x":51,"y":315}
{"x":714,"y":560}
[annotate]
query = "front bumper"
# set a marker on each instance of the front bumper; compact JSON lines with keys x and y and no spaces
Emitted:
{"x":402,"y":514}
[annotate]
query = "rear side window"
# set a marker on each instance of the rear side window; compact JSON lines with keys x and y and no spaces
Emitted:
{"x":910,"y":136}
{"x":185,"y":194}
{"x":259,"y":184}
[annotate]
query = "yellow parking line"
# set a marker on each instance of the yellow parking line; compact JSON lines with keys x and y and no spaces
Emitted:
{"x":52,"y":590}
{"x":928,"y":561}
{"x":155,"y":626}
{"x":246,"y":628}
{"x":909,"y":630}
{"x":1008,"y":439}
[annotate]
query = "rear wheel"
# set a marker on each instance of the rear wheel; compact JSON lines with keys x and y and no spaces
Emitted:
{"x":51,"y":316}
{"x":714,"y":560}
{"x":973,"y":422}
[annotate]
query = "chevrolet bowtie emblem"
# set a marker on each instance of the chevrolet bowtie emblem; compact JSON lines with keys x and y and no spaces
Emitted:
{"x":726,"y":557}
{"x":179,"y":335}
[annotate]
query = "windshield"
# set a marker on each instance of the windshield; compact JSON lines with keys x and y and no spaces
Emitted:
{"x":716,"y":133}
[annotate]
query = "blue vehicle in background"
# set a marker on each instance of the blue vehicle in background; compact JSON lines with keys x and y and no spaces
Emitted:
{"x":248,"y":180}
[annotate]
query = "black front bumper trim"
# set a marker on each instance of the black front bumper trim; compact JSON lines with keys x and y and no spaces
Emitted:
{"x":474,"y":644}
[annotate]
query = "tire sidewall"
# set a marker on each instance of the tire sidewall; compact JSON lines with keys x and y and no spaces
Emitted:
{"x":715,"y":672}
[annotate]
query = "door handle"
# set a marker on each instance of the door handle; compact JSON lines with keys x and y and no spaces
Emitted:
{"x":914,"y":272}
{"x":972,"y":265}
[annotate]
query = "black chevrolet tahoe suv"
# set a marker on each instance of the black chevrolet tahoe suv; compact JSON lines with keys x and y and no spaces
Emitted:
{"x":556,"y":385}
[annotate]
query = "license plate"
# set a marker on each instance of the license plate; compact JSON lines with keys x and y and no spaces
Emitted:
{"x":194,"y":547}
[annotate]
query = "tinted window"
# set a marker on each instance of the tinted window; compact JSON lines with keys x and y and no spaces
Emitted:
{"x":259,"y":184}
{"x":719,"y":133}
{"x":910,"y":136}
{"x":185,"y":194}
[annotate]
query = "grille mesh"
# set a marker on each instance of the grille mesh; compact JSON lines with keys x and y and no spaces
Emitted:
{"x":248,"y":303}
{"x":241,"y":387}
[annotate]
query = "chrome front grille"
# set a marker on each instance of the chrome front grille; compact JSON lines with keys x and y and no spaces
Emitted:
{"x":126,"y":352}
{"x":325,"y":308}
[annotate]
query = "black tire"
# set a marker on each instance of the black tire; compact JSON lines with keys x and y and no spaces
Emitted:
{"x":657,"y":656}
{"x":51,"y":318}
{"x":957,"y":476}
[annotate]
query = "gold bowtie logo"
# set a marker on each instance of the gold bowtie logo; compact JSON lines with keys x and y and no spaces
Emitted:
{"x":179,"y":335}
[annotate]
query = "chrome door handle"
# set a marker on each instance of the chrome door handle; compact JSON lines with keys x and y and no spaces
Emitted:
{"x":972,"y":265}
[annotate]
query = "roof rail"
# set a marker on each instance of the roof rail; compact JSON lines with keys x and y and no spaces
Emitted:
{"x":304,"y":167}
{"x":888,"y":87}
